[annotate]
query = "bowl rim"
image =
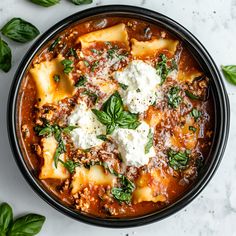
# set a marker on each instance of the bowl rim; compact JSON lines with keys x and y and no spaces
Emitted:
{"x":183,"y":34}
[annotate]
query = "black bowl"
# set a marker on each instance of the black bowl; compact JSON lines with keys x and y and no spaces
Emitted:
{"x":221,"y":107}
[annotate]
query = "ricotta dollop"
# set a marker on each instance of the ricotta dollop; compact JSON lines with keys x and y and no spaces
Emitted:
{"x":85,"y":136}
{"x":131,"y":145}
{"x":142,"y":81}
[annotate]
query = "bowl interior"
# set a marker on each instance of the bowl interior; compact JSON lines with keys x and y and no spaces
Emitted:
{"x":221,"y":107}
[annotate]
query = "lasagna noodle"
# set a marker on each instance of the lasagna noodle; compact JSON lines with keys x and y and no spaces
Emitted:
{"x":188,"y":76}
{"x":116,"y":33}
{"x":95,"y":176}
{"x":151,"y":47}
{"x":151,"y":187}
{"x":48,"y":90}
{"x":48,"y":170}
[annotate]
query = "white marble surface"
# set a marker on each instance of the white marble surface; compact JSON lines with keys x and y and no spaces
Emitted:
{"x":214,"y":211}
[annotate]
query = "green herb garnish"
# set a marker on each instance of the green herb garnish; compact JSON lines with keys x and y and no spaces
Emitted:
{"x":191,"y":95}
{"x":57,"y":131}
{"x":123,"y":86}
{"x":45,"y":3}
{"x":56,"y":78}
{"x":70,"y":165}
{"x":81,"y":81}
{"x":79,"y":2}
{"x":173,"y":97}
{"x":113,"y":115}
{"x":28,"y":225}
{"x":86,"y":63}
{"x":102,"y":137}
{"x":150,"y":142}
{"x":20,"y":30}
{"x":162,"y":68}
{"x":230,"y":73}
{"x":196,"y":114}
{"x":192,"y":128}
{"x":178,"y":160}
{"x":94,"y":66}
{"x":72,"y":52}
{"x":92,"y":95}
{"x":5,"y":56}
{"x":124,"y":192}
{"x":54,"y":44}
{"x":67,"y":65}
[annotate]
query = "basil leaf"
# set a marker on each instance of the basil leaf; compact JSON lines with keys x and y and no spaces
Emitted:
{"x":79,"y":2}
{"x":102,"y":116}
{"x":67,"y":66}
{"x":92,"y":95}
{"x":123,"y":86}
{"x":178,"y":160}
{"x":6,"y":218}
{"x":173,"y":97}
{"x":20,"y":30}
{"x":70,"y":165}
{"x":128,"y":120}
{"x":123,"y":193}
{"x":191,"y":95}
{"x":72,"y":52}
{"x":28,"y":225}
{"x":113,"y":106}
{"x":195,"y":114}
{"x":81,"y":82}
{"x":68,"y":129}
{"x":192,"y":128}
{"x":56,"y":78}
{"x":45,"y":3}
{"x":230,"y":73}
{"x":102,"y":137}
{"x":5,"y":56}
{"x":60,"y":150}
{"x":110,"y":128}
{"x":150,"y":142}
{"x":54,"y":44}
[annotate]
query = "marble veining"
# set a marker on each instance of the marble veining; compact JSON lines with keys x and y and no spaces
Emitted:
{"x":213,"y":212}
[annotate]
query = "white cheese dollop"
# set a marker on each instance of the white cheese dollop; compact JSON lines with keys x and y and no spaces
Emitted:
{"x":85,"y":136}
{"x":131,"y":144}
{"x":142,"y":81}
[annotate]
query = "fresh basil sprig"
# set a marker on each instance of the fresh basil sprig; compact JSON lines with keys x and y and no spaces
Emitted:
{"x":124,"y":192}
{"x":79,"y":2}
{"x":20,"y":30}
{"x":113,"y":115}
{"x":45,"y":3}
{"x":28,"y":225}
{"x":57,"y":131}
{"x":230,"y":73}
{"x":6,"y":218}
{"x":5,"y":56}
